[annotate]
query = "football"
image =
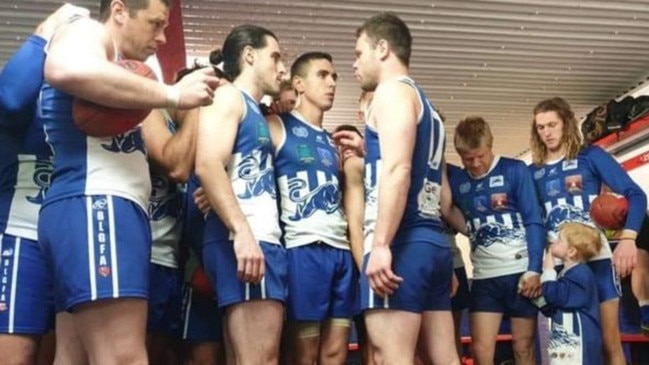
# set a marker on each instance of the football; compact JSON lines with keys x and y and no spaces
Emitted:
{"x":609,"y":210}
{"x":103,"y":121}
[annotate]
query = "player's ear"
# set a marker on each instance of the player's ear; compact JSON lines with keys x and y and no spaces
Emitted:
{"x":383,"y":48}
{"x":298,"y":84}
{"x":119,"y":11}
{"x":249,"y":55}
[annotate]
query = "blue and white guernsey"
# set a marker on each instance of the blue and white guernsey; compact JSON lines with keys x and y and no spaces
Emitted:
{"x":252,"y":177}
{"x":307,"y":167}
{"x":25,"y":163}
{"x":421,"y":220}
{"x":567,"y":187}
{"x":504,"y":223}
{"x":165,"y":214}
{"x":85,"y":165}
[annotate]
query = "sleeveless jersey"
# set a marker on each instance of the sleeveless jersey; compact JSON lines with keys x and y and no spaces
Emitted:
{"x":165,"y":214}
{"x":497,"y":209}
{"x":421,"y":220}
{"x":307,"y":167}
{"x":25,"y":166}
{"x":253,"y":181}
{"x":567,"y":187}
{"x":85,"y":165}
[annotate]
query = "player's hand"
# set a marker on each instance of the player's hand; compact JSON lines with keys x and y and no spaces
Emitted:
{"x":200,"y":199}
{"x":250,"y":258}
{"x":548,"y":260}
{"x":59,"y":17}
{"x":455,"y":284}
{"x":197,"y":88}
{"x":379,"y":272}
{"x":625,"y":257}
{"x":350,"y":140}
{"x":529,"y":284}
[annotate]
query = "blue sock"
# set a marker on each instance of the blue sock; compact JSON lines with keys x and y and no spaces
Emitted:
{"x":644,"y":315}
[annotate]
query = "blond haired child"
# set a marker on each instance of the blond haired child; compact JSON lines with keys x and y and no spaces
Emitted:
{"x":571,"y":296}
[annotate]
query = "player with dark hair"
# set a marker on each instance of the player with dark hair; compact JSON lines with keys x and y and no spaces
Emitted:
{"x":321,"y":277}
{"x":242,"y":253}
{"x":407,"y":266}
{"x":93,"y":226}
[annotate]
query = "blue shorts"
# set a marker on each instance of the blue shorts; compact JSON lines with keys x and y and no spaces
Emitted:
{"x":500,"y":295}
{"x":201,"y":318}
{"x":426,"y":270}
{"x":26,"y":297}
{"x":608,"y":281}
{"x":462,"y":297}
{"x":164,"y":299}
{"x":220,"y":265}
{"x":98,"y":247}
{"x":321,"y":283}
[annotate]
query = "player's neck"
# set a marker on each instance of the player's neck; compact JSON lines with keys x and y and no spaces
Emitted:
{"x":393,"y":71}
{"x":311,"y":114}
{"x":555,"y":155}
{"x":246,"y":84}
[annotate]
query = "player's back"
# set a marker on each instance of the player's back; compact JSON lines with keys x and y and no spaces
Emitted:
{"x":25,"y":173}
{"x":307,"y":167}
{"x":421,"y":219}
{"x":85,"y":165}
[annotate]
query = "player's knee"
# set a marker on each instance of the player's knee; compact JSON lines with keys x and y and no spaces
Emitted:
{"x":17,"y":350}
{"x":483,"y":349}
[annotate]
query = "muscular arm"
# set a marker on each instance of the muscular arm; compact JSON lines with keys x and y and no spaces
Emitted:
{"x":452,"y":214}
{"x":175,"y":153}
{"x":78,"y":63}
{"x":395,"y":115}
{"x":530,"y":211}
{"x":354,"y":203}
{"x":217,"y":130}
{"x":22,"y":76}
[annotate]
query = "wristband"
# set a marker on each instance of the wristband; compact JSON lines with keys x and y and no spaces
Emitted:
{"x":173,"y":96}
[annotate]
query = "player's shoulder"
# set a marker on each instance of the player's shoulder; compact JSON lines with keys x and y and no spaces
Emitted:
{"x":591,"y":151}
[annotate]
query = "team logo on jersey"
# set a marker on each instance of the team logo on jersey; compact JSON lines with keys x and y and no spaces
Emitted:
{"x":563,"y":213}
{"x":42,"y":177}
{"x":480,"y":186}
{"x":257,"y":174}
{"x":573,"y":184}
{"x":300,"y":132}
{"x":569,"y":165}
{"x":263,"y":133}
{"x":465,"y":188}
{"x":495,"y":232}
{"x":7,"y":252}
{"x":539,"y":174}
{"x":326,"y":157}
{"x":496,"y":181}
{"x":104,"y":270}
{"x":305,"y":154}
{"x":428,"y":199}
{"x":128,"y":142}
{"x":553,"y":171}
{"x":480,"y":203}
{"x":552,"y":188}
{"x":499,"y":201}
{"x":325,"y":197}
{"x":99,"y":204}
{"x":319,"y":139}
